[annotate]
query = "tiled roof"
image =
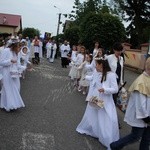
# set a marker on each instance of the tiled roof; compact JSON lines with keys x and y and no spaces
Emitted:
{"x":10,"y":20}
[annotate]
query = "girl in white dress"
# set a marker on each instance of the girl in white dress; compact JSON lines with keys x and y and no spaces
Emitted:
{"x":10,"y":95}
{"x":1,"y":49}
{"x":73,"y":58}
{"x":48,"y":49}
{"x":23,"y":58}
{"x":101,"y":122}
{"x":96,"y":48}
{"x":99,"y":54}
{"x":80,"y":59}
{"x":84,"y":84}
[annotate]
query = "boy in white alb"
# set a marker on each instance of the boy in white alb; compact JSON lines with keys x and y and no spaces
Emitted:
{"x":138,"y":113}
{"x":51,"y":48}
{"x":64,"y":49}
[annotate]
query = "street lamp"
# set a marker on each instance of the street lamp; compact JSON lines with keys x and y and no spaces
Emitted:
{"x":58,"y":25}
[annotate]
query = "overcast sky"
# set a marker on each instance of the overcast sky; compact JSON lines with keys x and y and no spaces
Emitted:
{"x":40,"y":14}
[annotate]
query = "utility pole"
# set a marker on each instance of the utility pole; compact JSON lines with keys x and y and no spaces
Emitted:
{"x":59,"y":17}
{"x":57,"y":42}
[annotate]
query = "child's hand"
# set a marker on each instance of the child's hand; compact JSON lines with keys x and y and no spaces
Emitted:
{"x":101,"y":90}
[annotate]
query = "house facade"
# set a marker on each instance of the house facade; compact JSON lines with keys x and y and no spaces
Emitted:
{"x":10,"y":24}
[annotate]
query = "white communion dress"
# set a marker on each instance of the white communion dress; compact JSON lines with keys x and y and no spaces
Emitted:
{"x":101,"y":123}
{"x":10,"y":95}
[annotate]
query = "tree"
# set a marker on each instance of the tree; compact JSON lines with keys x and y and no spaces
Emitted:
{"x":96,"y":22}
{"x":82,"y":9}
{"x":30,"y":32}
{"x":101,"y":27}
{"x":137,"y":12}
{"x":146,"y":33}
{"x":72,"y":35}
{"x":59,"y":38}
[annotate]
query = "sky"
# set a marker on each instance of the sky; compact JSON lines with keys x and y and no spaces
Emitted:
{"x":39,"y":14}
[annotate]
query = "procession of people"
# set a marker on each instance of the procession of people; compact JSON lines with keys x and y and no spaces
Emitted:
{"x":104,"y":75}
{"x":97,"y":75}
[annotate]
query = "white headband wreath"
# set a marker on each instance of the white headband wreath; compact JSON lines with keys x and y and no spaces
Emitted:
{"x":100,"y":58}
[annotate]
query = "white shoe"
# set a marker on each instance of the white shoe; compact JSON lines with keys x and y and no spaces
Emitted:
{"x":79,"y":89}
{"x":84,"y":93}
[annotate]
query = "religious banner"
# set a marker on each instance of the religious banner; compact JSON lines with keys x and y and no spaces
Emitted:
{"x":47,"y":35}
{"x":135,"y":59}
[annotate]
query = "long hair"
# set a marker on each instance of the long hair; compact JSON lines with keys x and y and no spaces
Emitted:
{"x":14,"y":47}
{"x":91,"y":57}
{"x":106,"y":68}
{"x":83,"y":47}
{"x":97,"y":55}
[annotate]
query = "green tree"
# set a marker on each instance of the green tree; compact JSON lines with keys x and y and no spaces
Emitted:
{"x":72,"y":35}
{"x":59,"y":38}
{"x":137,"y":12}
{"x":96,"y":21}
{"x":101,"y":27}
{"x":82,"y":9}
{"x":30,"y":32}
{"x":146,"y":33}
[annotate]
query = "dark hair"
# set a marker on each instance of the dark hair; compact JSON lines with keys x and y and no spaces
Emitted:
{"x":13,"y":46}
{"x":102,"y":52}
{"x":91,"y":57}
{"x":117,"y":46}
{"x":106,"y":68}
{"x":83,"y":47}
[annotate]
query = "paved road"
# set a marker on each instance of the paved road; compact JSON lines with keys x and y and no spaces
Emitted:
{"x":53,"y":110}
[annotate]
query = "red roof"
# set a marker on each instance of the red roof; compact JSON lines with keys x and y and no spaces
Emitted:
{"x":10,"y":20}
{"x":145,"y":44}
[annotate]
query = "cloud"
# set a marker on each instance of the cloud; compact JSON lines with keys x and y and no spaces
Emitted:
{"x":40,"y":14}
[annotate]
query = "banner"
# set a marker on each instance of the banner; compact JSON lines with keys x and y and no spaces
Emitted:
{"x":135,"y":59}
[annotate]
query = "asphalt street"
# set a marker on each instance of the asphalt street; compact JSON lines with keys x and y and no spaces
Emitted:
{"x":53,"y":110}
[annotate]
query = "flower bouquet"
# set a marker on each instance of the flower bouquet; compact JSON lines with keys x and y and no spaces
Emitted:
{"x":94,"y":101}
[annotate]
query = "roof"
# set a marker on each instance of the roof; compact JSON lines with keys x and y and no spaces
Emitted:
{"x":10,"y":20}
{"x":144,"y":44}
